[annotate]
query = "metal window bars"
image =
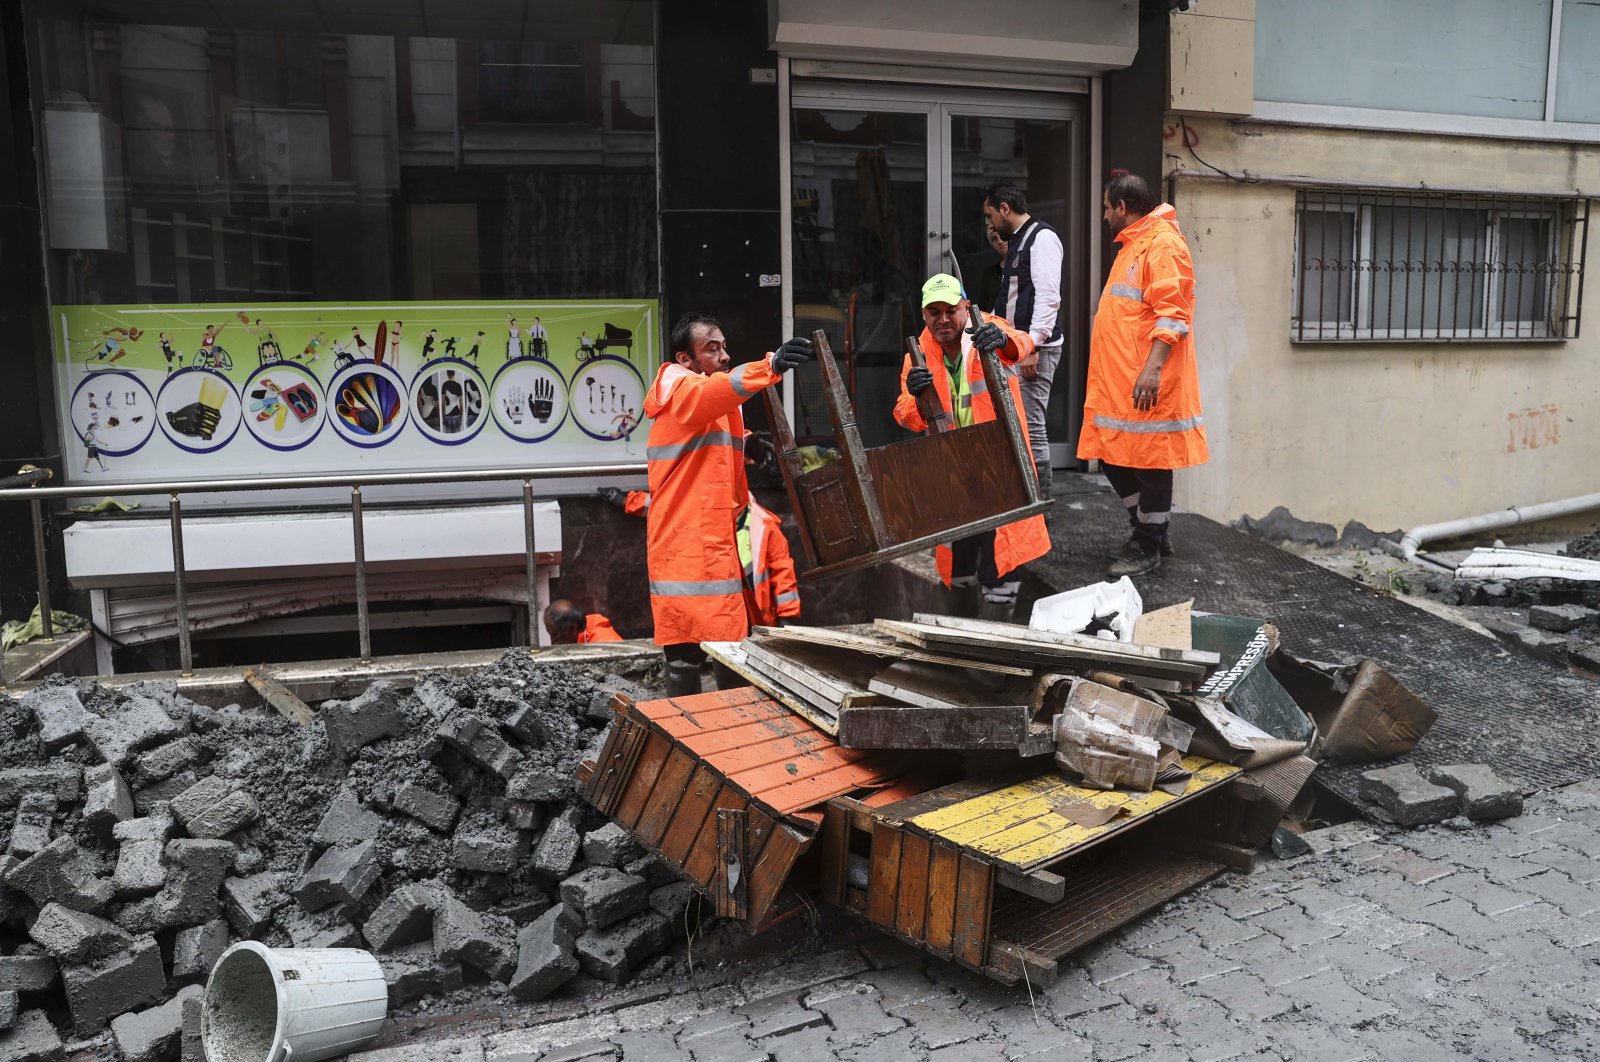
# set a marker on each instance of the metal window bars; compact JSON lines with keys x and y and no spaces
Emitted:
{"x":1391,"y":265}
{"x":11,"y":490}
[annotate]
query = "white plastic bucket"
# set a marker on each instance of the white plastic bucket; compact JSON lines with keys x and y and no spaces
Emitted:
{"x":287,"y":1005}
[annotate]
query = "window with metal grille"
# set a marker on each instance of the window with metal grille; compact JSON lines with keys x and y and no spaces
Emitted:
{"x":1381,"y":266}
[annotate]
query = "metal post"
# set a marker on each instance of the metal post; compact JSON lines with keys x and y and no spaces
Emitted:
{"x":47,"y":625}
{"x":362,"y":620}
{"x":180,"y":586}
{"x":533,"y":564}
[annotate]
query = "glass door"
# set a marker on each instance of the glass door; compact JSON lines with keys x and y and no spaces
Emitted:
{"x":886,"y":189}
{"x":859,"y":211}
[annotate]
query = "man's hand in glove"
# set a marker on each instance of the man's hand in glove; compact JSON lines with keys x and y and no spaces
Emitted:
{"x":793,"y":353}
{"x":918,"y":381}
{"x":988,"y":337}
{"x":758,"y":448}
{"x":614,"y":496}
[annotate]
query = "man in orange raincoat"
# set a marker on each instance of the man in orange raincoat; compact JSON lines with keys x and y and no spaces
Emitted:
{"x":984,"y":560}
{"x":772,"y":592}
{"x":568,"y":625}
{"x":1141,"y":411}
{"x":695,"y":460}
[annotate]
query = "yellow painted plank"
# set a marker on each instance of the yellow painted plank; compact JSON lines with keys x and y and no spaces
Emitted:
{"x":987,"y":804}
{"x":1016,"y":825}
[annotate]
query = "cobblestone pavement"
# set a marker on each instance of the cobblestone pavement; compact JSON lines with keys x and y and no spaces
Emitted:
{"x":1457,"y":941}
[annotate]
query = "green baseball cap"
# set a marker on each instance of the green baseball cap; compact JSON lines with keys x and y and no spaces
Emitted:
{"x":942,"y":287}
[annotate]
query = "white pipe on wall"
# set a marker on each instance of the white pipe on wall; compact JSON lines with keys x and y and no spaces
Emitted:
{"x":1517,"y":514}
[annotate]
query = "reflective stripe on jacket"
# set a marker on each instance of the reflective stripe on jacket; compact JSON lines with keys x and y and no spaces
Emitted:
{"x":774,"y":590}
{"x":1015,"y":544}
{"x":695,"y":455}
{"x":1149,"y":295}
{"x":596,"y":628}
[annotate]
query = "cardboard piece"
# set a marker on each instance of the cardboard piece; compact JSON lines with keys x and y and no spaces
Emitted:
{"x":1362,"y":711}
{"x":1114,"y":739}
{"x":1170,"y":627}
{"x":1087,"y":815}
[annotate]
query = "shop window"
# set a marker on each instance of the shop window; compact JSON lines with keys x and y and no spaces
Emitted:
{"x":295,"y":153}
{"x":1396,"y":266}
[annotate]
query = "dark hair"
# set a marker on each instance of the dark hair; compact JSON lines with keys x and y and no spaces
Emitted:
{"x":1003,"y":193}
{"x":565,"y":621}
{"x":682,"y":338}
{"x":1131,"y":190}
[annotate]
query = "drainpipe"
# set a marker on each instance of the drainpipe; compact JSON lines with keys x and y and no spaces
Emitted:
{"x":1517,"y":514}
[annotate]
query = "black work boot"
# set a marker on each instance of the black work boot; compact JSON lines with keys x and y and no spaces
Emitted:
{"x":1166,"y":547}
{"x":683,"y":678}
{"x":1135,"y":558}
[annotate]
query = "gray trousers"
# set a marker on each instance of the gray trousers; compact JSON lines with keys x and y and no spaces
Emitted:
{"x":1035,"y":407}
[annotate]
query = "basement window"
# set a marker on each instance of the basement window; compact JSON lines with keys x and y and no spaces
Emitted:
{"x":1397,"y":266}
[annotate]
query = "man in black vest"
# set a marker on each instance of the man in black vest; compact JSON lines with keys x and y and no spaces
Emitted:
{"x":1030,"y":298}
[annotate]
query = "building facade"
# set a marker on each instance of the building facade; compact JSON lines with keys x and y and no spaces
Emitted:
{"x":1389,"y":206}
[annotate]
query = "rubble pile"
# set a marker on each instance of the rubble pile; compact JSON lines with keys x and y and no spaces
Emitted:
{"x":438,"y":828}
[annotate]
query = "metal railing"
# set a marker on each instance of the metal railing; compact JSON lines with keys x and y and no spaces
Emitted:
{"x":13,"y":489}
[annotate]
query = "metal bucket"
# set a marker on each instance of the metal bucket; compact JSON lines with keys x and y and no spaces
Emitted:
{"x":288,"y":1005}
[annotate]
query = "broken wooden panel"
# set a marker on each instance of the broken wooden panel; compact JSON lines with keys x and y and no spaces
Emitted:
{"x":880,"y":646}
{"x":874,"y":505}
{"x":679,"y":773}
{"x":1020,"y":646}
{"x":902,"y":726}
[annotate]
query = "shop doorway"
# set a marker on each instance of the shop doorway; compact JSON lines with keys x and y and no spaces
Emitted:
{"x":886,"y":188}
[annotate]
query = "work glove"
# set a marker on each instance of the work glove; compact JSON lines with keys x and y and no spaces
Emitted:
{"x":614,"y":496}
{"x":918,"y":381}
{"x":195,"y":420}
{"x":988,"y":337}
{"x":758,"y":448}
{"x":793,"y":353}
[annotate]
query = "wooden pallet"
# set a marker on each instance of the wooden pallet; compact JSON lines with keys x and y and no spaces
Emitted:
{"x":983,"y":873}
{"x":720,"y":786}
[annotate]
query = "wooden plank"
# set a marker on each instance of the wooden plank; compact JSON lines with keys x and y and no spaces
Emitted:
{"x":884,"y":875}
{"x":1040,"y":884}
{"x":1006,"y":413}
{"x":731,"y":656}
{"x":935,"y":483}
{"x":733,"y":738}
{"x":834,"y":854}
{"x":902,"y":726}
{"x":696,"y":705}
{"x":1024,"y":633}
{"x":593,"y":775}
{"x":929,"y":404}
{"x":702,"y":861}
{"x":690,"y":815}
{"x":974,"y":888}
{"x":773,"y":867}
{"x":279,"y":696}
{"x":664,"y":797}
{"x":944,"y":865}
{"x":848,"y":437}
{"x":947,"y":795}
{"x":911,"y":902}
{"x":788,"y":461}
{"x":1039,"y":653}
{"x":728,"y":886}
{"x":636,"y":794}
{"x":937,"y":687}
{"x":619,"y":761}
{"x":880,"y":647}
{"x":804,"y":792}
{"x":1007,"y":962}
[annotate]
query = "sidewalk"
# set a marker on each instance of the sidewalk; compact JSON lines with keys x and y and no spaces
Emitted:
{"x":1455,"y":941}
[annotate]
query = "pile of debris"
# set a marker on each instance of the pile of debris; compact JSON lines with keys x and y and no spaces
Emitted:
{"x":437,"y":828}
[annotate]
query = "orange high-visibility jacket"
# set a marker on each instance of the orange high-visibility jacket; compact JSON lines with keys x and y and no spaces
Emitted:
{"x":1014,"y":544}
{"x":1149,"y":295}
{"x":775,"y":590}
{"x":596,"y":628}
{"x":695,"y":455}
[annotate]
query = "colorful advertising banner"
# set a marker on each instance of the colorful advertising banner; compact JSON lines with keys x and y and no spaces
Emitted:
{"x":219,"y":391}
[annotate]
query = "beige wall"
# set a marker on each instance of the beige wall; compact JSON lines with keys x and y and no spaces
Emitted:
{"x":1393,"y":435}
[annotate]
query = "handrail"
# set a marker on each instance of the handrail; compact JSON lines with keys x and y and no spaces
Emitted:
{"x":368,"y":479}
{"x":35,"y":495}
